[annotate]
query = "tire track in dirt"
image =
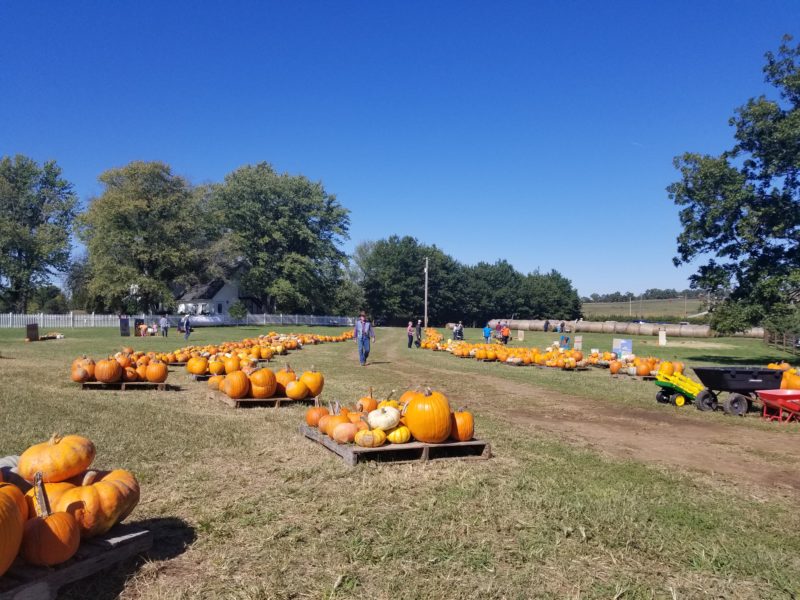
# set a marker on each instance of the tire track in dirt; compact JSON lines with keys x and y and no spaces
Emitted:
{"x":736,"y":454}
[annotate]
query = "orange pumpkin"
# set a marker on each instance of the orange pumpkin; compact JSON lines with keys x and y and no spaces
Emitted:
{"x":236,"y":384}
{"x":314,"y":381}
{"x":232,"y":364}
{"x":12,"y":491}
{"x":11,"y":527}
{"x":264,"y":380}
{"x":214,"y":381}
{"x":314,"y":414}
{"x":58,"y":459}
{"x":332,"y":422}
{"x":54,"y":492}
{"x":49,"y":538}
{"x":296,"y":390}
{"x":367,"y":403}
{"x":197,"y":365}
{"x":103,"y":500}
{"x":462,"y":426}
{"x":108,"y":371}
{"x":344,"y":433}
{"x":156,"y":372}
{"x":427,"y":415}
{"x":283,"y":377}
{"x":79,"y":374}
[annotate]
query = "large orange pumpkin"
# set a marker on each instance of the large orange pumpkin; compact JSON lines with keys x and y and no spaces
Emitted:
{"x":103,"y":500}
{"x":314,"y":414}
{"x":236,"y":384}
{"x":156,"y":372}
{"x":296,"y":390}
{"x":108,"y":371}
{"x":11,"y":527}
{"x":314,"y":381}
{"x":12,"y":491}
{"x":427,"y":415}
{"x":232,"y":364}
{"x":264,"y":380}
{"x":332,"y":422}
{"x":58,"y":459}
{"x":215,"y":381}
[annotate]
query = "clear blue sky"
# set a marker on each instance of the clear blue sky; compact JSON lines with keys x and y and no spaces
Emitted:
{"x":553,"y":122}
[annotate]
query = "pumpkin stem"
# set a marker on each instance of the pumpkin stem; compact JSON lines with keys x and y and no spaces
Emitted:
{"x":391,"y":393}
{"x":89,"y":477}
{"x":370,"y":391}
{"x":43,"y":510}
{"x":55,"y":438}
{"x":428,"y":391}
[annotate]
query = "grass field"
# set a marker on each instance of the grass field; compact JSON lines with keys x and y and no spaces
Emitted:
{"x":644,"y":308}
{"x":243,"y":507}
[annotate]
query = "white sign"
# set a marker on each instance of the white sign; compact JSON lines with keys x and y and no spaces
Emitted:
{"x":662,"y":338}
{"x":578,"y":345}
{"x":521,"y":335}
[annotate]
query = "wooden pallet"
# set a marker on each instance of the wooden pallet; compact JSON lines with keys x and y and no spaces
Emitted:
{"x":177,"y":364}
{"x":130,"y":385}
{"x":26,"y":582}
{"x":204,"y":377}
{"x":412,"y":451}
{"x":263,"y":402}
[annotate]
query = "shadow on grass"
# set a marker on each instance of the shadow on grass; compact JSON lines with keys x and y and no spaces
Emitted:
{"x":171,"y":537}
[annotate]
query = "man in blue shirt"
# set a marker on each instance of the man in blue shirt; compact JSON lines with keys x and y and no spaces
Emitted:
{"x":487,"y":333}
{"x":363,"y":333}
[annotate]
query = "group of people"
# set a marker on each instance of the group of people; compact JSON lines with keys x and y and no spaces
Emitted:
{"x":162,"y":326}
{"x":502,"y":332}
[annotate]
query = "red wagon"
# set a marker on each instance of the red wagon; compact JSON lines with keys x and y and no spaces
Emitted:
{"x":780,"y":405}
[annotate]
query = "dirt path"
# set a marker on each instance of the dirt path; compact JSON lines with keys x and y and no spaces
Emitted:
{"x":735,"y":454}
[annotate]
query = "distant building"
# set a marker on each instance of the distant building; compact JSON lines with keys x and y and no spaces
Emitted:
{"x":213,"y":298}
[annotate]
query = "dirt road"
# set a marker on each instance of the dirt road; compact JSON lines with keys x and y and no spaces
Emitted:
{"x":735,"y":455}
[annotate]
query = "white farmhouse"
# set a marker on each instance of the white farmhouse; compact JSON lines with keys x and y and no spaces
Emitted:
{"x":214,"y":298}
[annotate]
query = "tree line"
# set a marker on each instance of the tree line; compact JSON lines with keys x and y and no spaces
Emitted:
{"x":150,"y":234}
{"x":649,"y":294}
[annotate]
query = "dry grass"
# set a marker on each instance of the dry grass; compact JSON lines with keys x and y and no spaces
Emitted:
{"x":243,"y":507}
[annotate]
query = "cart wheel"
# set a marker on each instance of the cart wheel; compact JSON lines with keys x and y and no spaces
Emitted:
{"x":678,"y":400}
{"x":663,"y":396}
{"x":706,"y":400}
{"x":735,"y":404}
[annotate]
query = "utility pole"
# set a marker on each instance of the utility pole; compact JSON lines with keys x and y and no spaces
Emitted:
{"x":630,"y":305}
{"x":426,"y":292}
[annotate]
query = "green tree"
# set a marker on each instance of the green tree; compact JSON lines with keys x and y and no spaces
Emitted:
{"x":287,"y":231}
{"x":48,"y":299}
{"x":492,"y":291}
{"x":238,"y":310}
{"x":37,"y":208}
{"x":145,"y":234}
{"x":549,"y":296}
{"x":740,"y":211}
{"x":394,"y":281}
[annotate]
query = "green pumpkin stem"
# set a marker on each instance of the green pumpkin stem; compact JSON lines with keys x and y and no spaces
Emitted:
{"x":43,"y":508}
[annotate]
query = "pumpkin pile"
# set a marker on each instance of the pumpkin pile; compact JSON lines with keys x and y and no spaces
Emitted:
{"x":122,"y":366}
{"x":45,"y":522}
{"x":249,"y":382}
{"x":790,"y":379}
{"x":422,"y":416}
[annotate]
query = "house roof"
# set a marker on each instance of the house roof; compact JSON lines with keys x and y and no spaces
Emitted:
{"x":202,"y":291}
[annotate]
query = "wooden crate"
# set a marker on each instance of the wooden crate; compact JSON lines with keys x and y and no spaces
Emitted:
{"x":263,"y":402}
{"x":130,"y":385}
{"x":412,"y":451}
{"x":26,"y":582}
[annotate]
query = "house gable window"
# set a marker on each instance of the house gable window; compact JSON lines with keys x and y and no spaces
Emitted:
{"x":219,"y":308}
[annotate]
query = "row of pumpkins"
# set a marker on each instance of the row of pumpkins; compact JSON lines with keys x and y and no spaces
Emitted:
{"x":645,"y":365}
{"x":263,"y":347}
{"x":424,"y":416}
{"x":265,"y":383}
{"x":122,"y":366}
{"x":790,"y":380}
{"x":50,"y":501}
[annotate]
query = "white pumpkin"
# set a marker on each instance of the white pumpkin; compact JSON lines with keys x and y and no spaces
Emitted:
{"x":385,"y":418}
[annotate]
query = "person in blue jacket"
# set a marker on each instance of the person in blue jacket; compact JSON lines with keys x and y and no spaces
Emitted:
{"x":364,"y":334}
{"x":487,"y":333}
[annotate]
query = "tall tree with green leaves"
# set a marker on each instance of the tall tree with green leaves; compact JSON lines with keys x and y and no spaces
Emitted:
{"x":287,"y":231}
{"x":740,"y":211}
{"x":37,"y":208}
{"x":146,"y":233}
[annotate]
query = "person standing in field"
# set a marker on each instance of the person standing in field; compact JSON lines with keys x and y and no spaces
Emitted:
{"x":410,"y":332}
{"x":487,"y":333}
{"x":164,"y":324}
{"x":505,"y":332}
{"x":363,"y":334}
{"x":418,"y":343}
{"x":187,"y":327}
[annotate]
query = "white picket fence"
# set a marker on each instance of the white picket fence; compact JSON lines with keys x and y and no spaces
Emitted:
{"x":70,"y":320}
